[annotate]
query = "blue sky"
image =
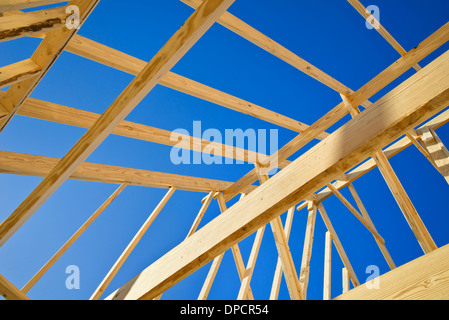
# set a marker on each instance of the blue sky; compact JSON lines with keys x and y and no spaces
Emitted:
{"x":329,"y":34}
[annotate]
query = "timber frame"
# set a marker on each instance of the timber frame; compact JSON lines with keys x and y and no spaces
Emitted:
{"x":411,"y":113}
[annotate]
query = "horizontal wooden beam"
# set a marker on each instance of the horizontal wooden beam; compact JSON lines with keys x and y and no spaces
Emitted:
{"x":425,"y":278}
{"x":49,"y":111}
{"x":412,"y":102}
{"x":17,"y":25}
{"x":39,"y":166}
{"x":10,"y":5}
{"x":18,"y":71}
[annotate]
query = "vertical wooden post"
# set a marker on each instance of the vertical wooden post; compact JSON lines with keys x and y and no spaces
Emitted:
{"x":307,"y":251}
{"x":327,"y":267}
{"x":345,"y":280}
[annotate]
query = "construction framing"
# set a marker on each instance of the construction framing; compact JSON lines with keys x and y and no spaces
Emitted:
{"x":410,"y":114}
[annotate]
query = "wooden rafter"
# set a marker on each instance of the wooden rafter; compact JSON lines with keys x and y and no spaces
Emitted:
{"x":198,"y":23}
{"x":411,"y":103}
{"x":18,"y":71}
{"x":9,"y":291}
{"x":10,"y":5}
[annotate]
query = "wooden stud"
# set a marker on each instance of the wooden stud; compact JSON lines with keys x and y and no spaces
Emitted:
{"x":437,"y":151}
{"x":9,"y":291}
{"x":72,"y":239}
{"x":124,"y":256}
{"x":327,"y":267}
{"x":307,"y":251}
{"x":345,"y":280}
{"x":201,"y":214}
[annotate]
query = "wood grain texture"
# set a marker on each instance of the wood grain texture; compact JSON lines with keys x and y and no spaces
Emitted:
{"x":411,"y":103}
{"x":9,"y":291}
{"x":18,"y":71}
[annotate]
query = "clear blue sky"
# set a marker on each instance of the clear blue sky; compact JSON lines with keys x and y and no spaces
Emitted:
{"x":330,"y":34}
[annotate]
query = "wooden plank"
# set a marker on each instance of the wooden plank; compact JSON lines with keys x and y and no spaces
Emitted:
{"x":131,"y":246}
{"x":425,"y":278}
{"x":9,"y":291}
{"x":9,"y":5}
{"x":48,"y":111}
{"x":44,"y":56}
{"x":366,"y":216}
{"x":17,"y":25}
{"x":437,"y":151}
{"x":381,"y":29}
{"x":256,"y":37}
{"x":72,"y":240}
{"x":327,"y":267}
{"x":356,"y":213}
{"x":426,"y":47}
{"x":412,"y":102}
{"x":18,"y":71}
{"x":100,"y":53}
{"x":191,"y":31}
{"x":201,"y":213}
{"x":307,"y":250}
{"x":345,"y":280}
{"x":405,"y":204}
{"x":274,"y":293}
{"x":338,"y":245}
{"x":30,"y":165}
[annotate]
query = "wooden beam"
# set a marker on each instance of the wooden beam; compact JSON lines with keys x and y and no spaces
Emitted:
{"x":370,"y":164}
{"x":217,"y":261}
{"x":259,"y":39}
{"x":131,"y":246}
{"x":405,"y":204}
{"x":200,"y":21}
{"x":48,"y":111}
{"x":327,"y":267}
{"x":72,"y":240}
{"x":201,"y":213}
{"x":412,"y":102}
{"x":17,"y":25}
{"x":425,"y":278}
{"x":366,"y":216}
{"x":437,"y":151}
{"x":274,"y":294}
{"x":9,"y":291}
{"x":433,"y":42}
{"x":44,"y":56}
{"x":381,"y":29}
{"x":307,"y":250}
{"x":10,"y":5}
{"x":338,"y":245}
{"x":100,"y":53}
{"x":30,"y":165}
{"x":356,"y":213}
{"x":345,"y":280}
{"x":18,"y":71}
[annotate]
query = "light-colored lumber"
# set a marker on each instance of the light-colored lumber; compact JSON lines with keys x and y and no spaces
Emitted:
{"x":31,"y":165}
{"x":327,"y":267}
{"x":380,"y":28}
{"x":338,"y":245}
{"x":345,"y":280}
{"x":370,"y":164}
{"x":217,"y":261}
{"x":72,"y":239}
{"x":426,"y":47}
{"x":307,"y":249}
{"x":405,"y":204}
{"x":277,"y":278}
{"x":191,"y":31}
{"x":131,"y":246}
{"x":411,"y":103}
{"x":9,"y":5}
{"x":366,"y":216}
{"x":100,"y":53}
{"x":18,"y":71}
{"x":44,"y":56}
{"x":48,"y":111}
{"x":437,"y":151}
{"x":425,"y":278}
{"x":200,"y":214}
{"x":356,"y":213}
{"x":17,"y":25}
{"x":9,"y":291}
